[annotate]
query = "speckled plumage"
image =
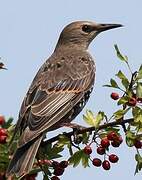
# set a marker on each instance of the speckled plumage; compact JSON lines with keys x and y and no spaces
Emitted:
{"x":58,"y":92}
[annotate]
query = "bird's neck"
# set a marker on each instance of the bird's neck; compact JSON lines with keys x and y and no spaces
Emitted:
{"x":72,"y":45}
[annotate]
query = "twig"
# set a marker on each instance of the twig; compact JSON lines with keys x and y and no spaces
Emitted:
{"x":89,"y":129}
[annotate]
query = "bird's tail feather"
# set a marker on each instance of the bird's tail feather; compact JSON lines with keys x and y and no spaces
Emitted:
{"x":23,"y":159}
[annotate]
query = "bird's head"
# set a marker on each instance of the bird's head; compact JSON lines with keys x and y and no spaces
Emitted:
{"x":79,"y":34}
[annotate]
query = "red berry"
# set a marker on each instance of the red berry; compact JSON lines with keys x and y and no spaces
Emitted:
{"x":58,"y":171}
{"x":115,"y":143}
{"x":138,"y":144}
{"x":101,"y":150}
{"x":120,"y":139}
{"x":105,"y":142}
{"x":113,"y":158}
{"x":31,"y":176}
{"x":112,"y":136}
{"x":3,"y":132}
{"x":97,"y":162}
{"x":54,"y":178}
{"x":64,"y":164}
{"x":132,"y":102}
{"x":2,"y":120}
{"x":3,"y":139}
{"x":114,"y":96}
{"x":106,"y":165}
{"x":55,"y":164}
{"x":87,"y":150}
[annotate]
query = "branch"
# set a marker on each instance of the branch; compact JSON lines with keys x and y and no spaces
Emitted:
{"x":89,"y":129}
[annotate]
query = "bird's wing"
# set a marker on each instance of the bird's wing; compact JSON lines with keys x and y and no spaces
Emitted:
{"x":53,"y":93}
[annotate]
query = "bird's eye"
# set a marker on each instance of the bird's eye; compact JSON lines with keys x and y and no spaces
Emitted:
{"x":87,"y":28}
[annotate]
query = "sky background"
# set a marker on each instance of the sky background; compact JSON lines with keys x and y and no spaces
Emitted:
{"x":29,"y":30}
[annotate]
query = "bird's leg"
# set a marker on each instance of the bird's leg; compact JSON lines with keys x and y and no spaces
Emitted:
{"x":76,"y":136}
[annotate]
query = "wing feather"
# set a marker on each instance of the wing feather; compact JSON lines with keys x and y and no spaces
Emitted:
{"x":52,"y":95}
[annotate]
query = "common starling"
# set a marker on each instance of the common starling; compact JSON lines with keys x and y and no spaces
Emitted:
{"x":58,"y":92}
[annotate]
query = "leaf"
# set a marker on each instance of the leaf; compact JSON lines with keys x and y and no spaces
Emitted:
{"x":76,"y":158}
{"x":137,"y":114}
{"x":120,"y":113}
{"x":85,"y":160}
{"x":124,"y":80}
{"x":8,"y":123}
{"x":130,"y":138}
{"x":138,"y":158}
{"x":139,"y":76}
{"x":113,"y":83}
{"x":85,"y":138}
{"x":45,"y":177}
{"x":89,"y":118}
{"x":123,"y":100}
{"x":119,"y":55}
{"x":63,"y":140}
{"x":99,"y":117}
{"x":115,"y":129}
{"x":53,"y":151}
{"x":139,"y":90}
{"x":93,"y":121}
{"x":107,"y":85}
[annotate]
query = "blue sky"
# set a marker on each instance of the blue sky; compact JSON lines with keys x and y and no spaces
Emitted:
{"x":28,"y":34}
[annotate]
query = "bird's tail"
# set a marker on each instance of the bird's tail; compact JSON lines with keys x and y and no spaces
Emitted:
{"x":23,"y":159}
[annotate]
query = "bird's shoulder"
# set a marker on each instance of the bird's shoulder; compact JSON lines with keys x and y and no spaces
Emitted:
{"x":61,"y":67}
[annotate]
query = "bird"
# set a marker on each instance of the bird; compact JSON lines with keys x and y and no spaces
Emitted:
{"x":58,"y":93}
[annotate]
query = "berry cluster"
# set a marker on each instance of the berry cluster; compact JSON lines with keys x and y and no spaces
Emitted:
{"x":58,"y":167}
{"x":30,"y":177}
{"x":113,"y":139}
{"x":3,"y":132}
{"x":132,"y":101}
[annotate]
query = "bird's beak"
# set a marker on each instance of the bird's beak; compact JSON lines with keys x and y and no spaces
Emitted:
{"x":105,"y":27}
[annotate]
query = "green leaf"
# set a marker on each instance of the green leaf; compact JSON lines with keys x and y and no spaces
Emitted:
{"x":8,"y":123}
{"x":138,"y":158}
{"x":139,"y":76}
{"x":123,"y":100}
{"x":124,"y":80}
{"x":63,"y":140}
{"x":113,"y":83}
{"x":85,"y":138}
{"x":137,"y":114}
{"x":76,"y":158}
{"x":115,"y":129}
{"x":89,"y":118}
{"x":99,"y":117}
{"x":85,"y":160}
{"x":130,"y":138}
{"x":93,"y":121}
{"x":107,"y":85}
{"x":120,"y":113}
{"x":119,"y":55}
{"x":139,"y":90}
{"x":45,"y":177}
{"x":52,"y":151}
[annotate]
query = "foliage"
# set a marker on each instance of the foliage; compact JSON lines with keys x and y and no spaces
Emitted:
{"x":103,"y":131}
